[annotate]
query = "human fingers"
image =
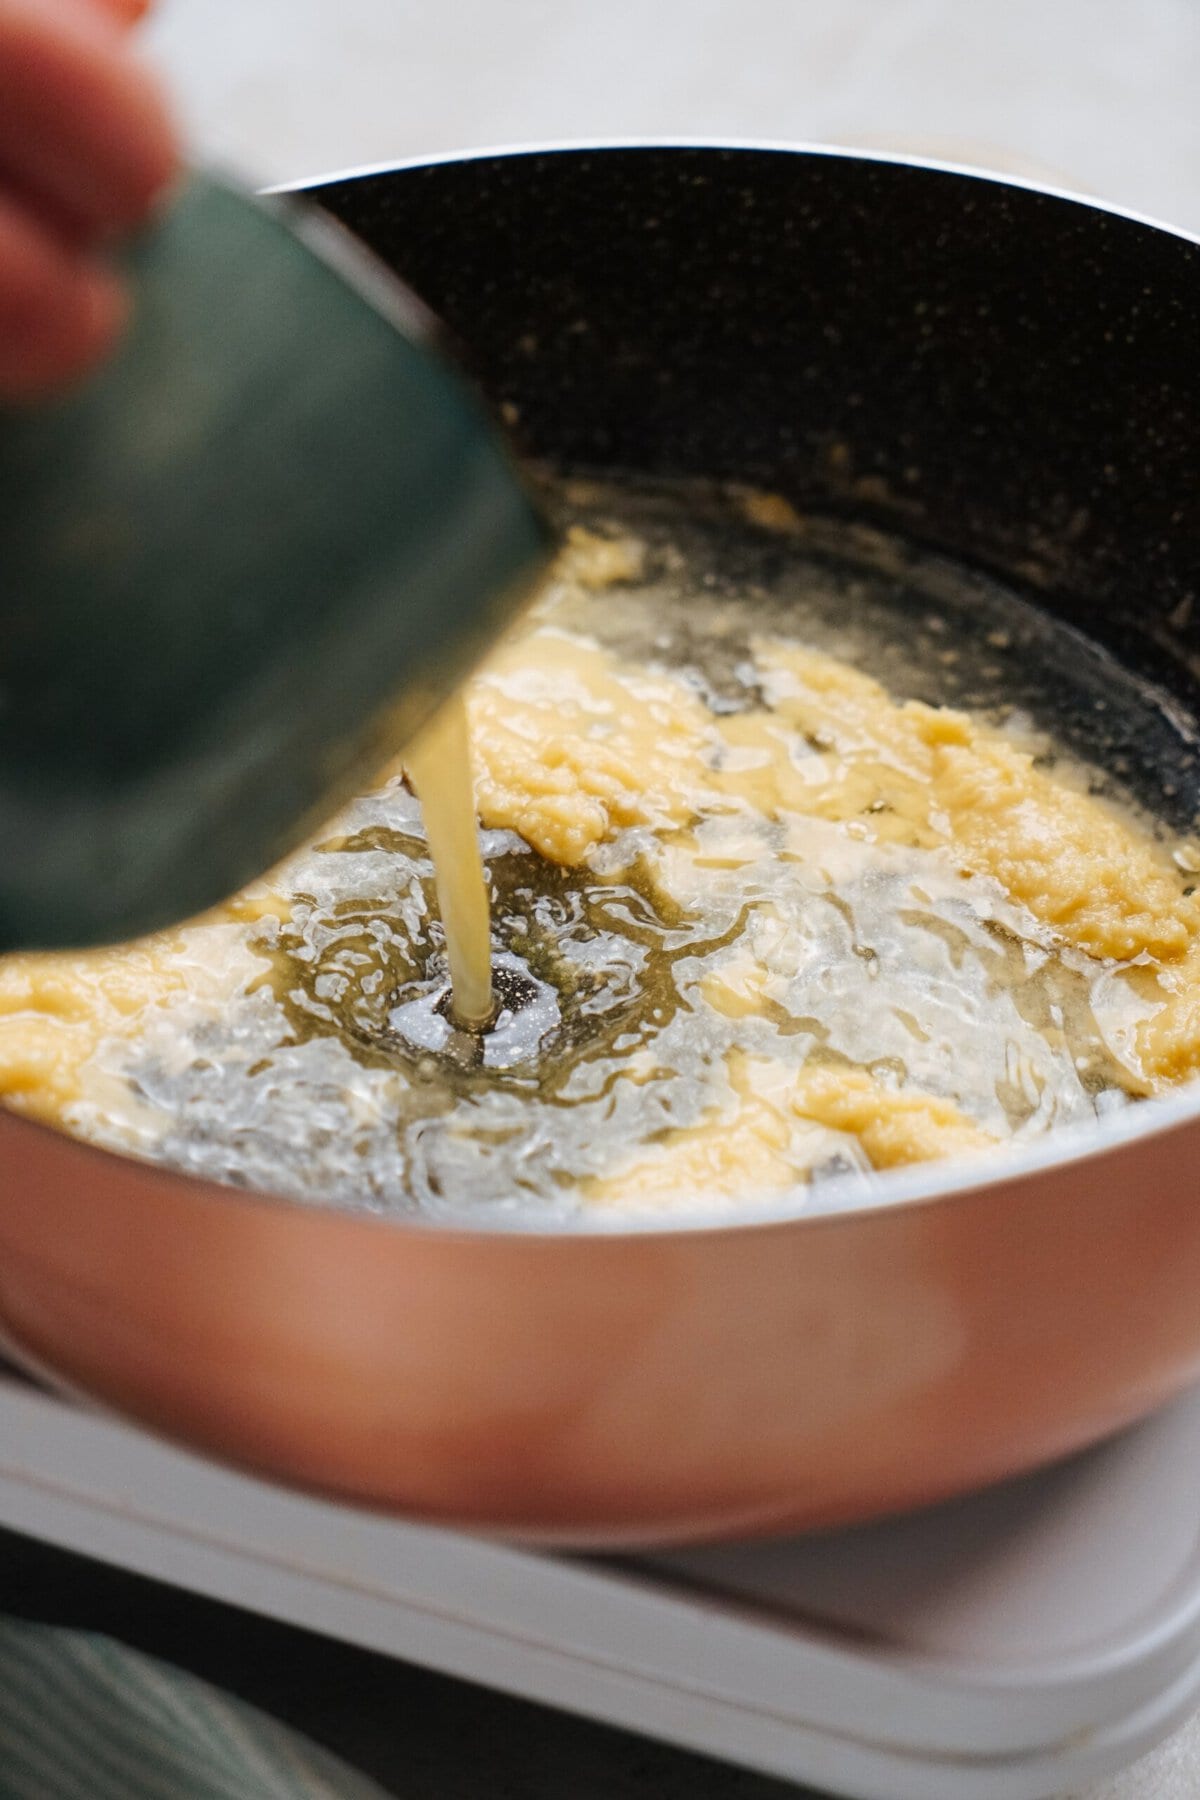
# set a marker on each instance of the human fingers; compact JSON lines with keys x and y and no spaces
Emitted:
{"x":84,"y":129}
{"x":60,"y":310}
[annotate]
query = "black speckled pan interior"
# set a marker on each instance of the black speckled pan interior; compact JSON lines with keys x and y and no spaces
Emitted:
{"x":996,"y":372}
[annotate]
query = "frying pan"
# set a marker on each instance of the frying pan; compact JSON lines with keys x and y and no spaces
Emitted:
{"x":1000,"y":372}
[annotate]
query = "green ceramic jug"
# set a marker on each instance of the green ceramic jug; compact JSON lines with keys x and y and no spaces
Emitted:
{"x":238,"y":569}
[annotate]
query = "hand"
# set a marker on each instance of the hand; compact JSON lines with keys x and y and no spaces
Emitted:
{"x":86,"y":147}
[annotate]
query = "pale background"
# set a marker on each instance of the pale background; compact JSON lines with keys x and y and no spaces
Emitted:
{"x":1098,"y":95}
{"x":1103,"y":93}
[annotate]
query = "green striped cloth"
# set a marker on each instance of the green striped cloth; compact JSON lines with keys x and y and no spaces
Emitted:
{"x":83,"y":1718}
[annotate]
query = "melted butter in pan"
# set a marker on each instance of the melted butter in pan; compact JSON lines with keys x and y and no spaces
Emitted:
{"x":790,"y":883}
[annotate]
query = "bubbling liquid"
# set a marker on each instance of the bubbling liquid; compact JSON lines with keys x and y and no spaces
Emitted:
{"x":800,"y":856}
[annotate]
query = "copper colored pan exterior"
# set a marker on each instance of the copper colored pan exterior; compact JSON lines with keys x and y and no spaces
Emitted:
{"x":661,"y":1385}
{"x":613,"y":1389}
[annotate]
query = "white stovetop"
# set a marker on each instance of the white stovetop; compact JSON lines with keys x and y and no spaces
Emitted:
{"x":1096,"y":95}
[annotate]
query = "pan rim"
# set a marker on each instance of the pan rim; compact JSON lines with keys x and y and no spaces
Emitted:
{"x":777,"y":146}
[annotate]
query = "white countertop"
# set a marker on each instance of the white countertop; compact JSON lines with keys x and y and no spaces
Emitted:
{"x":1096,"y":95}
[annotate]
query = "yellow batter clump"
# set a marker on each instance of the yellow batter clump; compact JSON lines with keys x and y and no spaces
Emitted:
{"x":55,"y":1010}
{"x":736,"y":1155}
{"x":1168,"y":1043}
{"x":1063,"y":854}
{"x":894,"y":1126}
{"x":927,"y":775}
{"x":570,"y":748}
{"x":774,"y":1120}
{"x":60,"y":1012}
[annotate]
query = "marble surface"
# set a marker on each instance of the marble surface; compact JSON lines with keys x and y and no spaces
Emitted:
{"x":1097,"y":95}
